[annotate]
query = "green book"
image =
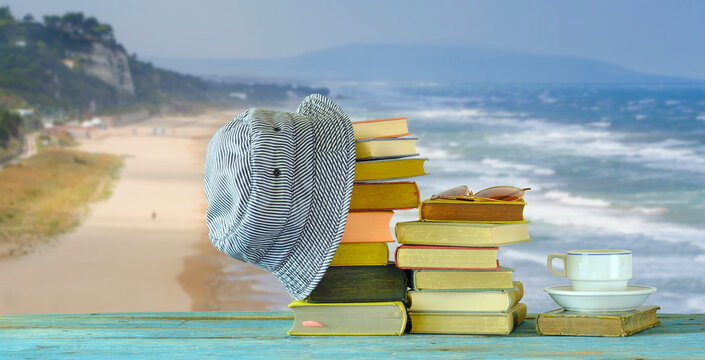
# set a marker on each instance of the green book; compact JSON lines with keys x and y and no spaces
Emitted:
{"x":620,"y":323}
{"x":361,"y":284}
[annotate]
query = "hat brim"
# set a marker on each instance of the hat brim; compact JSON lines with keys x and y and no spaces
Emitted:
{"x":334,"y":173}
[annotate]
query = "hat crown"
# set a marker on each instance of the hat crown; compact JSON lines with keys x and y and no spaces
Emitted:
{"x":249,"y":165}
{"x":278,"y":186}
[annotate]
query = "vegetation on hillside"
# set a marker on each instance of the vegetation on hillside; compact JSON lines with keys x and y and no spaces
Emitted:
{"x":47,"y":194}
{"x":44,"y":66}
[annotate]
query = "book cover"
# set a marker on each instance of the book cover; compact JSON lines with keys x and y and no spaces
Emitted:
{"x":385,"y":148}
{"x":367,"y":226}
{"x":461,"y":233}
{"x":361,"y":284}
{"x":573,"y":323}
{"x":466,"y":300}
{"x":478,"y":211}
{"x":361,"y":254}
{"x":461,"y":280}
{"x":446,"y":257}
{"x":372,"y":318}
{"x":382,"y":128}
{"x":488,"y":323}
{"x":384,"y":196}
{"x":389,"y":169}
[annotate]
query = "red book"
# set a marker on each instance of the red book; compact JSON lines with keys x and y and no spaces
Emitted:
{"x":446,"y":257}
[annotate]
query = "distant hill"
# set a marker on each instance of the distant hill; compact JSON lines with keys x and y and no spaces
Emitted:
{"x":420,"y":63}
{"x":72,"y":64}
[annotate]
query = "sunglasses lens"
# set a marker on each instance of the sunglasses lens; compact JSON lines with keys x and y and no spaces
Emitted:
{"x":453,"y":192}
{"x":506,"y":193}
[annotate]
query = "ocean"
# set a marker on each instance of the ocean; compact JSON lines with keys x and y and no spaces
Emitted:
{"x":610,"y":167}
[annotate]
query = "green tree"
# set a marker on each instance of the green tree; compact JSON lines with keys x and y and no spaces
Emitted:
{"x":52,"y":22}
{"x":72,"y":23}
{"x":10,"y":124}
{"x":6,"y":23}
{"x":6,"y":14}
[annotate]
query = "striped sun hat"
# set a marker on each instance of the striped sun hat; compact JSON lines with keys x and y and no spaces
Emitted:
{"x":278,"y":186}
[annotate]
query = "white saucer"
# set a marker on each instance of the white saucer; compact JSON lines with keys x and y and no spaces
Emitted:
{"x":603,"y":301}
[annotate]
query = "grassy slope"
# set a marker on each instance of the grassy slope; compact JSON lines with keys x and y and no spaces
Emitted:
{"x":47,"y":195}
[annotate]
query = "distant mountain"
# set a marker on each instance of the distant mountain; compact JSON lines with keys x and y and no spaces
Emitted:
{"x":419,"y":63}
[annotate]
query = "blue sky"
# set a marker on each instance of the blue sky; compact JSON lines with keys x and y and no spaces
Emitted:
{"x":659,"y":37}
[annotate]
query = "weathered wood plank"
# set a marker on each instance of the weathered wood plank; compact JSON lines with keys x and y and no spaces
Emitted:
{"x":212,"y":335}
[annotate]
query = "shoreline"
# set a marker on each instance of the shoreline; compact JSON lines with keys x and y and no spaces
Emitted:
{"x":122,"y":259}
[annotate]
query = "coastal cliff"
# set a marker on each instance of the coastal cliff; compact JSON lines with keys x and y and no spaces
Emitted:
{"x":71,"y":66}
{"x":110,"y":65}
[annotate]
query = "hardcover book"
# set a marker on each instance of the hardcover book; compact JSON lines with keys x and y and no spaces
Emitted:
{"x":461,"y":233}
{"x":361,"y":254}
{"x":461,"y":280}
{"x":367,"y":226}
{"x":388,"y":148}
{"x":385,"y":196}
{"x":573,"y":323}
{"x":484,"y":323}
{"x":361,"y":284}
{"x":389,"y":169}
{"x":478,"y":211}
{"x":466,"y":300}
{"x":446,"y":257}
{"x":372,"y":318}
{"x":382,"y":128}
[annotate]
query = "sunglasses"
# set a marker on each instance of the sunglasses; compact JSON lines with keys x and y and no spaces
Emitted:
{"x":495,"y":193}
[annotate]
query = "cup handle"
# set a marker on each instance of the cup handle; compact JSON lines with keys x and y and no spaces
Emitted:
{"x":549,"y":264}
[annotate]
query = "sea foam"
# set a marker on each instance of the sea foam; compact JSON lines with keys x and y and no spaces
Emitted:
{"x":595,"y":142}
{"x":597,"y":217}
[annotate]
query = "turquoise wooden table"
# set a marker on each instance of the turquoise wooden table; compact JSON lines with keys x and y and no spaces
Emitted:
{"x":242,"y":335}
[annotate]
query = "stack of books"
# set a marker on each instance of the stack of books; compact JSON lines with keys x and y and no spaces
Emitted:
{"x":362,"y":293}
{"x":458,"y":286}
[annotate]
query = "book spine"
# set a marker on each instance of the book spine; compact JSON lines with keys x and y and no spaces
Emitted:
{"x":638,"y":322}
{"x":464,"y":211}
{"x":447,"y":268}
{"x":361,"y":284}
{"x":515,"y":295}
{"x":516,"y":316}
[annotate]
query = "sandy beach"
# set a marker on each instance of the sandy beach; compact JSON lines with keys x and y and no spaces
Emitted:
{"x":145,"y":248}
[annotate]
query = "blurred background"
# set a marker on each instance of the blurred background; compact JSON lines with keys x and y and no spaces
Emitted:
{"x":107,"y":108}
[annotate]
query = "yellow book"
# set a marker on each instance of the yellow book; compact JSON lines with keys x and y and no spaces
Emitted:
{"x":482,"y":323}
{"x":446,"y":257}
{"x":388,"y":169}
{"x":573,"y":323}
{"x":461,"y":279}
{"x":466,"y":300}
{"x":384,"y":196}
{"x":381,"y":128}
{"x":361,"y":254}
{"x":461,"y":233}
{"x":385,"y":148}
{"x":373,"y":318}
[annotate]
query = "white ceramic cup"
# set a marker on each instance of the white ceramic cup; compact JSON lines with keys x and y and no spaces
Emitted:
{"x":595,"y":270}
